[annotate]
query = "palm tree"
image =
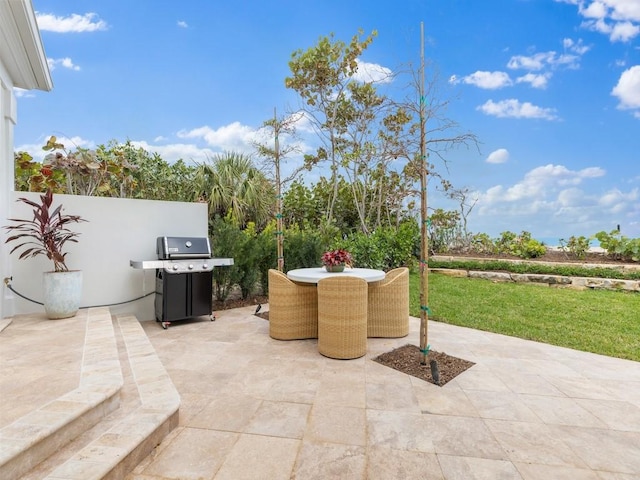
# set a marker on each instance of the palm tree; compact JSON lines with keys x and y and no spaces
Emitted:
{"x":232,"y":186}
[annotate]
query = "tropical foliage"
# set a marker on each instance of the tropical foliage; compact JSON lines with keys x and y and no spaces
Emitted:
{"x":234,"y":188}
{"x":337,"y":257}
{"x":46,"y":233}
{"x":114,"y":170}
{"x":619,"y":246}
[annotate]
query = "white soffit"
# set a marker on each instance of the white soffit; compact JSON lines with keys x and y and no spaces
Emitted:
{"x":21,"y":49}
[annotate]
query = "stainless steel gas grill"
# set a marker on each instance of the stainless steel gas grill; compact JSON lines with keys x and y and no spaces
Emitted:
{"x":184,"y":278}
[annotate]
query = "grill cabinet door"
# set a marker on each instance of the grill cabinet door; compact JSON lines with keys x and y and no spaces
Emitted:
{"x":183,"y":295}
{"x":171,"y":296}
{"x":201,"y":294}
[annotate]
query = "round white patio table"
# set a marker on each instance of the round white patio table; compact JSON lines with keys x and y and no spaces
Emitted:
{"x":314,"y":275}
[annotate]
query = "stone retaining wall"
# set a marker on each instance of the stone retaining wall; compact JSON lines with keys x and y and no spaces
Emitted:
{"x":579,"y":283}
{"x":622,"y":268}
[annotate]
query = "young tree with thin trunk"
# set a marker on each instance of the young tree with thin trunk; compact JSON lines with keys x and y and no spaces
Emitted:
{"x":434,"y":135}
{"x":277,"y":128}
{"x":467,"y":204}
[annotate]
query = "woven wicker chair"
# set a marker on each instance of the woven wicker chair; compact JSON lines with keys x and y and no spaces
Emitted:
{"x":293,"y":308}
{"x":388,"y":305}
{"x":342,"y":317}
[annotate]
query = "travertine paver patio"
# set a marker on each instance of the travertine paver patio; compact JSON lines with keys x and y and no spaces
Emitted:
{"x":253,"y":407}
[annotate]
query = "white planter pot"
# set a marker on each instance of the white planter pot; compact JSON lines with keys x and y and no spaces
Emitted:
{"x":62,"y":293}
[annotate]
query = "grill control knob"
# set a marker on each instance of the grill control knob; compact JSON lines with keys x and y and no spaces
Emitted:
{"x":191,"y":266}
{"x":175,"y":266}
{"x":205,"y":266}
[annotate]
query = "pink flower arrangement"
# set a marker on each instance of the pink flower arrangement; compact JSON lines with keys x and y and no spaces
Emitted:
{"x":337,"y":257}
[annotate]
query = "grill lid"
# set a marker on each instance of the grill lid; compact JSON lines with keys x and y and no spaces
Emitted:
{"x":169,"y":248}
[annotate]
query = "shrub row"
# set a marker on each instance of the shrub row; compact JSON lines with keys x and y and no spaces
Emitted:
{"x":254,"y":252}
{"x":522,"y":245}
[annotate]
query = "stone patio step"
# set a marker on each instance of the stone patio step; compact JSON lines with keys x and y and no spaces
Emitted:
{"x":103,"y":428}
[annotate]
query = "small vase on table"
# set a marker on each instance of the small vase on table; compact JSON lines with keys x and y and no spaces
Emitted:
{"x":335,"y":268}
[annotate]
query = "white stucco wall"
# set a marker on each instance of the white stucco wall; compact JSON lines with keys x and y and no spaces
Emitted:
{"x":23,"y":64}
{"x":7,"y":121}
{"x":117,"y":231}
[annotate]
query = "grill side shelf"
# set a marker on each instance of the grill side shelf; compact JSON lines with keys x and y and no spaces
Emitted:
{"x":146,"y":264}
{"x":222,"y":262}
{"x":159,"y":264}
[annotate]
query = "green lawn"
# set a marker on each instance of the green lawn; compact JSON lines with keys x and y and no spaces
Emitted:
{"x":598,"y":321}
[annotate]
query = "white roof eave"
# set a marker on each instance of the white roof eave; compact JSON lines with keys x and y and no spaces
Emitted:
{"x":21,"y":49}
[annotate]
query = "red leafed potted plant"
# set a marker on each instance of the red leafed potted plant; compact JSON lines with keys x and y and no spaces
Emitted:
{"x":46,"y":234}
{"x":336,"y":260}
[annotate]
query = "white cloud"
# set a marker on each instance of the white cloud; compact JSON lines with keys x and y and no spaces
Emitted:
{"x":302,"y":122}
{"x":22,"y":93}
{"x":541,"y":63}
{"x":173,"y":152}
{"x":535,"y":80}
{"x":624,"y":31}
{"x":557,"y":202}
{"x":628,"y":90}
{"x":532,"y":62}
{"x":498,"y":156}
{"x":513,"y":108}
{"x":304,"y":125}
{"x":541,"y":60}
{"x":541,"y":182}
{"x":170,"y":152}
{"x":483,"y":79}
{"x":594,"y":10}
{"x":616,"y":18}
{"x":372,"y":73}
{"x":182,"y":24}
{"x":62,"y":62}
{"x":617,"y":32}
{"x":619,"y":10}
{"x":73,"y":23}
{"x":576,"y":47}
{"x":70,"y":144}
{"x":597,"y":26}
{"x":570,"y":197}
{"x":232,"y":137}
{"x":616,"y":202}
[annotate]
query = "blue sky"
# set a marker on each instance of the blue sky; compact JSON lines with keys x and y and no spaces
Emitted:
{"x":550,"y":87}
